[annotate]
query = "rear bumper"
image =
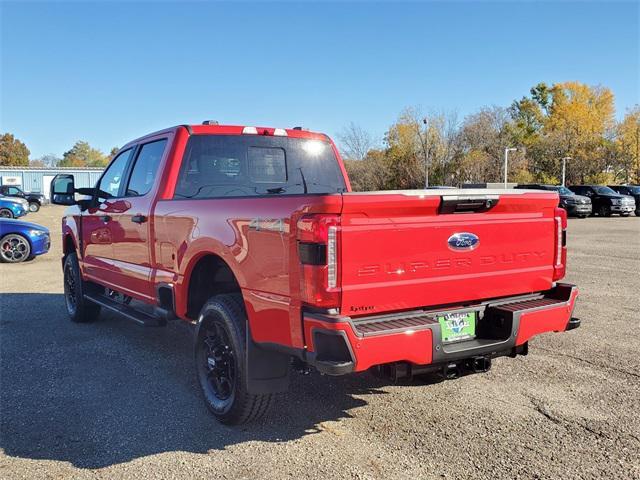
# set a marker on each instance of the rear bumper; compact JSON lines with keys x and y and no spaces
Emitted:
{"x":338,"y":345}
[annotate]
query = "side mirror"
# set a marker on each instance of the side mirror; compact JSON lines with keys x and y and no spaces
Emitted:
{"x":63,"y":189}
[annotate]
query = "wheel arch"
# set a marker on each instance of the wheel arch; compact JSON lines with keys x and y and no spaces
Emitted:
{"x":68,"y":244}
{"x":207,"y":274}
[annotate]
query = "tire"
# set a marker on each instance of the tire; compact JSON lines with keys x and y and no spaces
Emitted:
{"x":34,"y":207}
{"x":220,"y":355}
{"x":604,"y":211}
{"x":6,"y":213}
{"x":14,"y":248}
{"x":79,"y":309}
{"x":625,"y":214}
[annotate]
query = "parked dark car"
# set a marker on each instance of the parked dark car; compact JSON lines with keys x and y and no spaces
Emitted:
{"x":20,"y":241}
{"x":632,"y":191}
{"x":35,"y":199}
{"x":606,"y":201}
{"x":575,"y":205}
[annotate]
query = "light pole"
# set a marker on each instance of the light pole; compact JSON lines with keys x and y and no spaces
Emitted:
{"x":425,"y":148}
{"x":506,"y":162}
{"x":564,"y":168}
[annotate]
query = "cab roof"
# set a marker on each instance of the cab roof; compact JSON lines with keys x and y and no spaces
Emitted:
{"x":216,"y":129}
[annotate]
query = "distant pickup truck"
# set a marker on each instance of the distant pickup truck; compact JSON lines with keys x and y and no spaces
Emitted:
{"x":254,"y":236}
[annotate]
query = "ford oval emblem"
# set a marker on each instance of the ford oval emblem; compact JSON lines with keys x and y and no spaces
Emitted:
{"x":463,"y":241}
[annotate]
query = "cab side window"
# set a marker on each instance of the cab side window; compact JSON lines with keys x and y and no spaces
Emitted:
{"x":111,"y":181}
{"x":145,"y":169}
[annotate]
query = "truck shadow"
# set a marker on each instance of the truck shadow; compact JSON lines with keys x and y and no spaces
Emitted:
{"x":109,"y":392}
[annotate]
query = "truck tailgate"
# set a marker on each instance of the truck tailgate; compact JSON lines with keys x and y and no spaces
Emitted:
{"x":398,"y":250}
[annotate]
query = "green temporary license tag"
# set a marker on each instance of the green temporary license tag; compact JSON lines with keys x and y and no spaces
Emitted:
{"x":457,"y":326}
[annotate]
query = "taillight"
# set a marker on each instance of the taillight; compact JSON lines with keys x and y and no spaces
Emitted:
{"x":318,"y":237}
{"x":560,"y":254}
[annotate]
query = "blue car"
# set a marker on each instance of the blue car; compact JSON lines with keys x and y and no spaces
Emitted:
{"x":20,"y":240}
{"x":12,"y":207}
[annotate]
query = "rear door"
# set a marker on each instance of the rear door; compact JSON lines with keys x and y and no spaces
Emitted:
{"x":407,"y":250}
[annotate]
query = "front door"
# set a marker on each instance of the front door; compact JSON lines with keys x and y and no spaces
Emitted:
{"x":132,"y":227}
{"x":97,"y":233}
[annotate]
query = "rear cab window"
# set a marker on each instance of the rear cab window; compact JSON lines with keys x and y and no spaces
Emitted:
{"x":218,"y":166}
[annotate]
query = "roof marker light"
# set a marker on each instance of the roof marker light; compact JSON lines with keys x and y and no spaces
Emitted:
{"x":280,"y":132}
{"x":250,"y":130}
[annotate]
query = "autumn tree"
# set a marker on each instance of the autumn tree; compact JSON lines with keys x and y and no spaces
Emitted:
{"x":112,"y":153}
{"x":355,"y":142}
{"x":83,"y":155}
{"x":628,"y":145}
{"x":371,"y":173}
{"x":569,"y":119}
{"x":484,"y":136}
{"x":46,"y":161}
{"x":12,"y":151}
{"x":406,"y":151}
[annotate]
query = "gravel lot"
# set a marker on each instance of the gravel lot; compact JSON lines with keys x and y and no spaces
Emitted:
{"x":114,"y":400}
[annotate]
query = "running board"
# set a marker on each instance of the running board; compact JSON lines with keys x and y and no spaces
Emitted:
{"x":130,"y":313}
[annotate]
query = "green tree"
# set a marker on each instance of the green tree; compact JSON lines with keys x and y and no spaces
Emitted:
{"x":83,"y":155}
{"x":12,"y":151}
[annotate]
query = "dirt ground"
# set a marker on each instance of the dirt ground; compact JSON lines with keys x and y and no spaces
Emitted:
{"x":114,"y":400}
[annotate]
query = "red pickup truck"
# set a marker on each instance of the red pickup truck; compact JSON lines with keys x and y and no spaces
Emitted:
{"x":254,"y":236}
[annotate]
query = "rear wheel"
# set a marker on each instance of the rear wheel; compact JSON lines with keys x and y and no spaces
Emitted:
{"x":6,"y":213}
{"x":14,"y":248}
{"x":34,"y":206}
{"x":220,"y":354}
{"x":604,"y":211}
{"x":80,"y":310}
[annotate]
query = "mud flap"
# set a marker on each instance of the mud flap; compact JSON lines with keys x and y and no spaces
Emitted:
{"x":267,"y":370}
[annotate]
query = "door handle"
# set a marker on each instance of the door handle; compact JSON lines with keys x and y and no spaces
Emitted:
{"x":105,"y":218}
{"x":138,"y":219}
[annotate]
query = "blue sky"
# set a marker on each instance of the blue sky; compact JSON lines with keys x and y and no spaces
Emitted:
{"x":107,"y":72}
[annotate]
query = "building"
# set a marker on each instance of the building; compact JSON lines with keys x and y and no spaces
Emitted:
{"x":36,"y":179}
